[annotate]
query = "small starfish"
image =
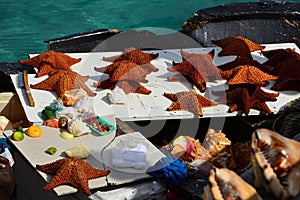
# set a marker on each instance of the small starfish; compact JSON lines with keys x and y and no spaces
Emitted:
{"x":62,"y":81}
{"x":237,"y":45}
{"x":244,"y":61}
{"x":136,"y":56}
{"x":128,"y":86}
{"x":190,"y":101}
{"x":50,"y":61}
{"x":125,"y":70}
{"x":289,"y":76}
{"x":246,"y":96}
{"x":72,"y":171}
{"x":247,"y":74}
{"x":197,"y":67}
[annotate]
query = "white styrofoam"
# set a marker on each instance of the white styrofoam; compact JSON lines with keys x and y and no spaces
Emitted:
{"x":153,"y":106}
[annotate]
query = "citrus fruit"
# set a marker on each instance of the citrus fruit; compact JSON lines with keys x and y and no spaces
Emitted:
{"x":51,"y":150}
{"x":20,"y":128}
{"x":34,"y":131}
{"x":18,"y":136}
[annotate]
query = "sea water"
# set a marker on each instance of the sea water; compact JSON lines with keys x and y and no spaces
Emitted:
{"x":24,"y":25}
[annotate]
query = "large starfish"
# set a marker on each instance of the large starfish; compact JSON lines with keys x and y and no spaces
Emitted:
{"x":237,"y":45}
{"x":247,"y":74}
{"x":246,"y":96}
{"x":197,"y":67}
{"x":128,"y":86}
{"x":244,"y":61}
{"x":137,"y":56}
{"x":72,"y":171}
{"x":190,"y":101}
{"x":125,"y":70}
{"x":289,"y":76}
{"x":50,"y":61}
{"x":62,"y":81}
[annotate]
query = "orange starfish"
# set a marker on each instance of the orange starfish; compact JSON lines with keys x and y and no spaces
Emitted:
{"x":128,"y":86}
{"x":246,"y":96}
{"x":247,"y":74}
{"x":62,"y":81}
{"x":137,"y":56}
{"x":289,"y":76}
{"x":237,"y":45}
{"x":125,"y":70}
{"x":72,"y":171}
{"x":50,"y":61}
{"x":197,"y":67}
{"x":190,"y":101}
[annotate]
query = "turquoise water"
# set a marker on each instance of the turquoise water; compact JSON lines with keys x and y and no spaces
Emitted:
{"x":24,"y":25}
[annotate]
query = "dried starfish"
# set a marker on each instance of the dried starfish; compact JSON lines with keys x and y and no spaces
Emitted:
{"x":137,"y":56}
{"x":124,"y":70}
{"x":190,"y":101}
{"x":197,"y":67}
{"x":289,"y":76}
{"x":72,"y":171}
{"x":128,"y":86}
{"x":246,"y":96}
{"x":247,"y":74}
{"x":237,"y":45}
{"x":50,"y":61}
{"x":62,"y":81}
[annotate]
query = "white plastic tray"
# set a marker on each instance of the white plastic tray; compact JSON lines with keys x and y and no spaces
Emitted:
{"x":153,"y":106}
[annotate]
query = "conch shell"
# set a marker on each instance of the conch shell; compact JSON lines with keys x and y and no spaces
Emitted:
{"x":187,"y":148}
{"x":276,"y":163}
{"x":80,"y":151}
{"x":215,"y":142}
{"x":77,"y":127}
{"x":226,"y":184}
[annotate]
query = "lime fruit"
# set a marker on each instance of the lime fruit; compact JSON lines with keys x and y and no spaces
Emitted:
{"x":34,"y":131}
{"x":51,"y":150}
{"x":18,"y":136}
{"x":20,"y":128}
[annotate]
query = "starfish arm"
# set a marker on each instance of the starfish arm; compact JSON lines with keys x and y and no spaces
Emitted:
{"x":100,"y":69}
{"x":51,"y":168}
{"x":110,"y":58}
{"x":80,"y":84}
{"x":47,"y":84}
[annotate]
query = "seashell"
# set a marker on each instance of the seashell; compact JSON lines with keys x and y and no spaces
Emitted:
{"x":226,"y":184}
{"x":77,"y":127}
{"x":215,"y":142}
{"x":80,"y":151}
{"x":72,"y":96}
{"x":187,"y":148}
{"x":117,"y":96}
{"x":276,"y":163}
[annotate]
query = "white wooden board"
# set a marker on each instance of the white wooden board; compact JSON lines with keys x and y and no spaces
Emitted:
{"x":153,"y":106}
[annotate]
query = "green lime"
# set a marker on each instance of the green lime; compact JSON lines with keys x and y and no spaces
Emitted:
{"x":20,"y":128}
{"x":18,"y":136}
{"x":51,"y":150}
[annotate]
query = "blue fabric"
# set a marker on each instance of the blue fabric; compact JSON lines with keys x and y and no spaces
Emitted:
{"x":3,"y":141}
{"x":171,"y":169}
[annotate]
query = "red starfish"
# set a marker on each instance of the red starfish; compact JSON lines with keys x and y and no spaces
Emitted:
{"x":72,"y":171}
{"x":50,"y":61}
{"x":289,"y":76}
{"x":125,"y":70}
{"x":129,"y":86}
{"x":62,"y":81}
{"x":197,"y":67}
{"x":190,"y":101}
{"x":246,"y":96}
{"x":247,"y":74}
{"x":135,"y":55}
{"x":237,"y":45}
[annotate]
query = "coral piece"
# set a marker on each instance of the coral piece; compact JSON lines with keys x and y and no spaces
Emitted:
{"x":197,"y":67}
{"x":62,"y":81}
{"x":72,"y":171}
{"x":129,"y":86}
{"x":289,"y":76}
{"x":50,"y":61}
{"x":246,"y":96}
{"x":136,"y":56}
{"x":247,"y":74}
{"x":276,"y":163}
{"x":237,"y":45}
{"x":125,"y":70}
{"x":190,"y":101}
